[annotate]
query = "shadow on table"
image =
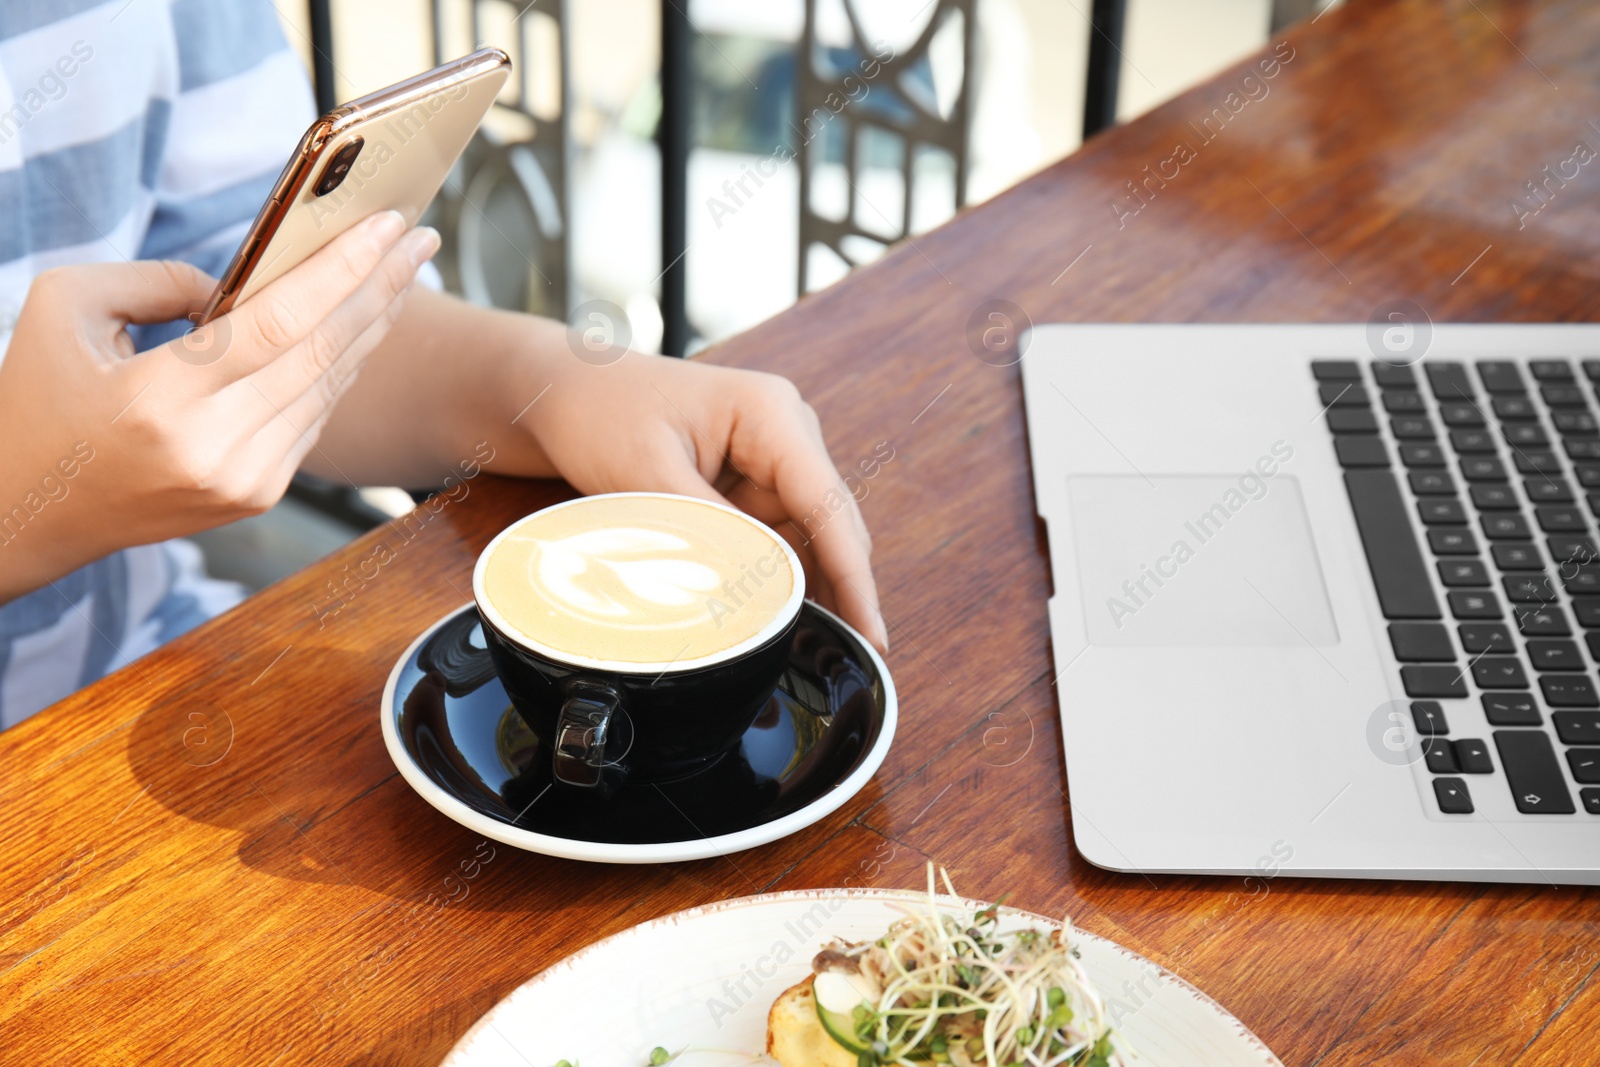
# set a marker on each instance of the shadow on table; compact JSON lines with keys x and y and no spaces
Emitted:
{"x":324,"y":804}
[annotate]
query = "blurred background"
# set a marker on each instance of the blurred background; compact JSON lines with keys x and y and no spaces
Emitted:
{"x":679,"y":170}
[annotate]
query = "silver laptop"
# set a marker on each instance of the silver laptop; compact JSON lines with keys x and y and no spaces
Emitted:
{"x":1322,"y":613}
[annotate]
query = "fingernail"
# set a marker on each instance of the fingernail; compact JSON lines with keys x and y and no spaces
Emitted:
{"x":421,"y":244}
{"x":386,"y":226}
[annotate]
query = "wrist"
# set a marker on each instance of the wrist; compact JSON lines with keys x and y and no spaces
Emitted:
{"x":535,"y":375}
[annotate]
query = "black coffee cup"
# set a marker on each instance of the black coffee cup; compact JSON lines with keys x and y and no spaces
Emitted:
{"x":606,"y":723}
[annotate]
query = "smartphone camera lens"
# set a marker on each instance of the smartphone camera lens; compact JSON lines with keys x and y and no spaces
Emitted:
{"x":338,"y":168}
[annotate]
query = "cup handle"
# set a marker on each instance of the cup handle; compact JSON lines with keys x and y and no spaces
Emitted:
{"x":581,"y":731}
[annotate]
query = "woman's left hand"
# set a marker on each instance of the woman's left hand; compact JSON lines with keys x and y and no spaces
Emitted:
{"x":740,"y":437}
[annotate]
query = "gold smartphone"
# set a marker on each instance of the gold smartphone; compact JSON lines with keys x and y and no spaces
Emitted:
{"x":389,"y":150}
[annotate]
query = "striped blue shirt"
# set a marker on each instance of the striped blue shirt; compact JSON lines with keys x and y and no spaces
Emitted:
{"x":129,"y":129}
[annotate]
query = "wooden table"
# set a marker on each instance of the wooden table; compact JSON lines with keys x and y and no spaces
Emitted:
{"x":208,"y":857}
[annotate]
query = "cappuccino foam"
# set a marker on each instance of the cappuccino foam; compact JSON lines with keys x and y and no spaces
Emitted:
{"x":646,"y":580}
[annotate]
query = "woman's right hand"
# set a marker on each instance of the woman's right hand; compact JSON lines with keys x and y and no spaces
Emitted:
{"x":102,"y":448}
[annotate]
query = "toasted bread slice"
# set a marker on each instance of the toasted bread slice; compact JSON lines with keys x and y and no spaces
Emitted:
{"x":795,"y":1035}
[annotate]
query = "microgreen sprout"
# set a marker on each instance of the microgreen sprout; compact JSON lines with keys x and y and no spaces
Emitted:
{"x":959,"y":992}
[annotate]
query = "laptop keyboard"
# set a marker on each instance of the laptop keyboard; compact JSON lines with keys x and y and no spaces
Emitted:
{"x":1485,"y":476}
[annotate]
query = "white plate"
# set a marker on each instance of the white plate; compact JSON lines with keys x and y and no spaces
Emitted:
{"x":702,"y":980}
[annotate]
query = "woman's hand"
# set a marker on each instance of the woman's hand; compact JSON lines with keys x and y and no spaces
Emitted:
{"x":105,"y":448}
{"x":742,"y":437}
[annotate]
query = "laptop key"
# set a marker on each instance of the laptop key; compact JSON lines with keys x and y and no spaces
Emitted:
{"x":1588,"y":474}
{"x":1472,"y":756}
{"x":1563,"y":396}
{"x":1511,"y":709}
{"x":1485,"y":637}
{"x":1572,"y":550}
{"x":1594,"y":503}
{"x":1493,"y":496}
{"x":1397,"y":403}
{"x":1451,"y":793}
{"x":1423,"y":642}
{"x":1552,"y":654}
{"x":1591,"y":800}
{"x":1449,"y":381}
{"x":1591,"y":369}
{"x":1412,"y":428}
{"x":1470,"y":573}
{"x":1448,"y":541}
{"x":1585,"y":764}
{"x":1440,"y":755}
{"x":1525,"y":435}
{"x":1508,"y":527}
{"x":1566,"y":691}
{"x":1499,"y":672}
{"x":1575,"y":424}
{"x":1414,"y":454}
{"x":1354,"y":451}
{"x":1529,"y":760}
{"x":1560,"y":518}
{"x":1343,"y":395}
{"x":1441,"y":511}
{"x":1528,"y":589}
{"x":1429,"y":717}
{"x":1536,"y":461}
{"x":1500,"y":376}
{"x":1432,"y":483}
{"x":1393,"y":556}
{"x":1512,"y":407}
{"x":1461,"y":413}
{"x":1581,"y":448}
{"x":1517,"y":556}
{"x":1389,"y":376}
{"x":1429,"y":681}
{"x":1581,"y":579}
{"x":1577,"y":727}
{"x":1336,"y":370}
{"x":1588,"y":609}
{"x":1470,"y":605}
{"x":1550,"y":370}
{"x":1544,"y":621}
{"x":1352,"y":420}
{"x":1469,"y":442}
{"x":1473,"y":468}
{"x":1548,"y":490}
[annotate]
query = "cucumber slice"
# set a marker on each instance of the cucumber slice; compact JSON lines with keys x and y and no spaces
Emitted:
{"x":842,"y":1028}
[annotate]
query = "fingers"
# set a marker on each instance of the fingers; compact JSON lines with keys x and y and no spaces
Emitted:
{"x":294,"y":308}
{"x":818,"y":586}
{"x":375,"y":303}
{"x":678,"y":474}
{"x":829,"y":522}
{"x":681,"y":476}
{"x":292,"y":426}
{"x":144,"y":292}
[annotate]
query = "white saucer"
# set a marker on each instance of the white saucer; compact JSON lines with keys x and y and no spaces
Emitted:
{"x":823,"y":737}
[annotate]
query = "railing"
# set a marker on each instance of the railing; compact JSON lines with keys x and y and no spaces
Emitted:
{"x":504,"y":213}
{"x":536,"y":170}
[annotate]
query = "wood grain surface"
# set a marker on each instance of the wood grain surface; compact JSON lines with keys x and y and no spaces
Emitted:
{"x":209,"y":857}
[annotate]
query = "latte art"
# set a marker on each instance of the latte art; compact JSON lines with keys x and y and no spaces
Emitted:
{"x":639,"y":579}
{"x":579,"y":574}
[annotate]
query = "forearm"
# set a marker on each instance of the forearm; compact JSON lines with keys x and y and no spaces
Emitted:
{"x":449,"y":377}
{"x":32,"y":551}
{"x":44,"y":533}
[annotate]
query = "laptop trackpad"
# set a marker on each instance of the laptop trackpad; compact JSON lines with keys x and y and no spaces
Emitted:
{"x":1205,"y":560}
